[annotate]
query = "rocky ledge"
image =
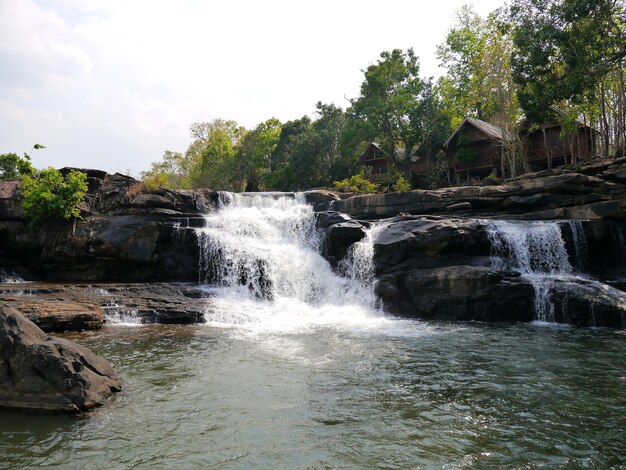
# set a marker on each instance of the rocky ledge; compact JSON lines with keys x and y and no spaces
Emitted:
{"x":75,"y":307}
{"x":595,"y":190}
{"x":446,"y":268}
{"x":43,"y":373}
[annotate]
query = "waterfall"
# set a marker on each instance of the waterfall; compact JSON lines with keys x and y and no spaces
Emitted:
{"x":579,"y":243}
{"x":260,"y":255}
{"x":619,"y":238}
{"x":537,"y":251}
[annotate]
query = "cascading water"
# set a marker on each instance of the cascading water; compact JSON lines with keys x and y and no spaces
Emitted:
{"x":537,"y":251}
{"x":260,"y":256}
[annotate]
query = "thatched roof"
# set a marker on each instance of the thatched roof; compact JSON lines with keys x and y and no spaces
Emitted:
{"x":491,"y":131}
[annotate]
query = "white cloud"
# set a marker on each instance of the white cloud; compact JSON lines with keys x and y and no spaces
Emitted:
{"x":112,"y":84}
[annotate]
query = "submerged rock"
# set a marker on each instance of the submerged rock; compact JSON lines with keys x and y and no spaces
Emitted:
{"x":43,"y":373}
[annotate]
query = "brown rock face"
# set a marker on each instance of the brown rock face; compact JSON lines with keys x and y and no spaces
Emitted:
{"x":43,"y":373}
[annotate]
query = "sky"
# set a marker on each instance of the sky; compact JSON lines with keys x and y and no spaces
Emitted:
{"x":112,"y":84}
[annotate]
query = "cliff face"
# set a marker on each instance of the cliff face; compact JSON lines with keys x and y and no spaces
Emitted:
{"x":125,"y":234}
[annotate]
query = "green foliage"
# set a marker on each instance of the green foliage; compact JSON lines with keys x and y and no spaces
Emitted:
{"x":479,"y":81}
{"x":47,"y":194}
{"x":396,"y":106}
{"x":155,"y":182}
{"x":465,"y":152}
{"x":173,"y":172}
{"x":356,"y":184}
{"x":564,"y":48}
{"x":402,"y":185}
{"x":12,"y":166}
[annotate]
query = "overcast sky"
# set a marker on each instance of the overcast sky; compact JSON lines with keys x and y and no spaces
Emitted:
{"x":112,"y":84}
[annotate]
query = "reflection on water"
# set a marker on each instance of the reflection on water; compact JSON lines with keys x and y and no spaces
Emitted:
{"x":411,"y":395}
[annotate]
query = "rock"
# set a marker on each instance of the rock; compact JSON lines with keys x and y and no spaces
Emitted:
{"x":583,"y":302}
{"x":321,"y":199}
{"x":595,"y":190}
{"x":42,"y":373}
{"x":430,"y":242}
{"x":340,"y":232}
{"x":9,"y":201}
{"x":325,"y":219}
{"x":460,"y":206}
{"x":458,"y":293}
{"x":65,"y":307}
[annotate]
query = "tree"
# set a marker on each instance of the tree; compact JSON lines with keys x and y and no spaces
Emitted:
{"x":479,"y":81}
{"x":572,"y":53}
{"x":212,"y":154}
{"x":47,"y":194}
{"x":9,"y":166}
{"x":12,"y":166}
{"x":396,"y":106}
{"x":254,"y":154}
{"x":174,"y":171}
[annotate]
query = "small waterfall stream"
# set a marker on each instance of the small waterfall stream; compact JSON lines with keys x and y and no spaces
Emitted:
{"x":261,"y":255}
{"x":537,"y":251}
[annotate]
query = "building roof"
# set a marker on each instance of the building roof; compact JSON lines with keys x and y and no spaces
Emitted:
{"x":373,"y":149}
{"x":491,"y":131}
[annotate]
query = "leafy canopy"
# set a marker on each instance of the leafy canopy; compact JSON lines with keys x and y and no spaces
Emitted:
{"x":47,"y":194}
{"x":12,"y":166}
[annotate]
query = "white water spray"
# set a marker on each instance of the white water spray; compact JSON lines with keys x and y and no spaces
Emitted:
{"x":260,"y":256}
{"x":537,"y":251}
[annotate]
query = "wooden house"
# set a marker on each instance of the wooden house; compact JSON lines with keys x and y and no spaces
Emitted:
{"x":546,"y":146}
{"x":376,"y":162}
{"x":474,"y":150}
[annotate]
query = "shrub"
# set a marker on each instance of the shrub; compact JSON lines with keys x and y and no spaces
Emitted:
{"x":356,"y":184}
{"x":12,"y":166}
{"x":154,"y":182}
{"x":49,"y":195}
{"x":402,"y":185}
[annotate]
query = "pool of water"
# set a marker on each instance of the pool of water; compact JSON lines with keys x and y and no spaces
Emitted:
{"x":395,"y":394}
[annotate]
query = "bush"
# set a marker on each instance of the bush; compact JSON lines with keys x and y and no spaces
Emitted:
{"x":12,"y":166}
{"x":154,"y":182}
{"x":402,"y":185}
{"x":49,"y":195}
{"x":356,"y":184}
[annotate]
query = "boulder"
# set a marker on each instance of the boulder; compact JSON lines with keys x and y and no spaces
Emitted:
{"x":584,"y":302}
{"x":320,"y":199}
{"x":43,"y":373}
{"x":430,"y":242}
{"x":458,"y":293}
{"x":340,"y":231}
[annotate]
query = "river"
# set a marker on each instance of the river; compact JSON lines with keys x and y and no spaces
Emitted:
{"x":298,"y":367}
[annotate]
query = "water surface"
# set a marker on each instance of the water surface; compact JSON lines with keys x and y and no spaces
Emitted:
{"x":396,"y":394}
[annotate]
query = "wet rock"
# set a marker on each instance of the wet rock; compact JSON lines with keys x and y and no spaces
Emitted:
{"x":66,"y":307}
{"x":458,"y":293}
{"x":340,"y":232}
{"x":583,"y":302}
{"x":430,"y":242}
{"x":321,"y":199}
{"x":43,"y":373}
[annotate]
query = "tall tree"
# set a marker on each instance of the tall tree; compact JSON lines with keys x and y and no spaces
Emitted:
{"x":479,"y":81}
{"x":254,"y":154}
{"x":212,"y":153}
{"x":394,"y":104}
{"x":565,"y":52}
